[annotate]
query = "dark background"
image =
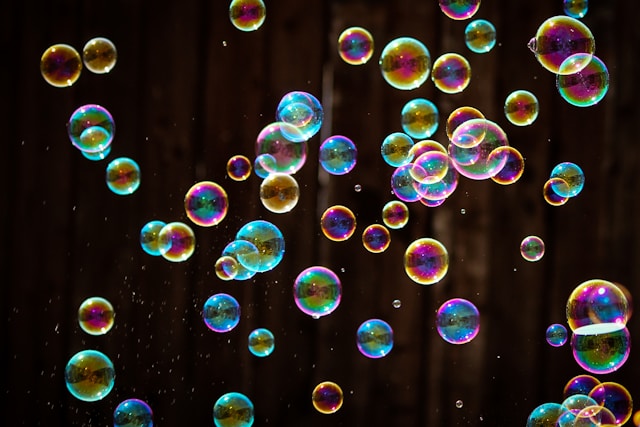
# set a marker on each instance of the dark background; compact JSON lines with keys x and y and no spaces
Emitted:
{"x":188,"y":92}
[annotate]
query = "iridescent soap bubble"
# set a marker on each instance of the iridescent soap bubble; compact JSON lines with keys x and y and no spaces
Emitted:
{"x":395,"y":214}
{"x":602,"y":352}
{"x":60,"y":65}
{"x":89,"y":375}
{"x":238,"y":168}
{"x":459,"y":9}
{"x":469,"y":134}
{"x":426,"y":261}
{"x":458,"y":321}
{"x":123,"y":176}
{"x":480,"y":36}
{"x":580,"y":384}
{"x":558,"y":38}
{"x":95,"y":138}
{"x":595,"y":303}
{"x":616,"y":398}
{"x":99,"y":55}
{"x":303,"y":111}
{"x":338,"y":155}
{"x":206,"y":203}
{"x":237,"y":249}
{"x":433,"y":194}
{"x":261,"y":342}
{"x":575,"y":8}
{"x":586,"y":87}
{"x":403,"y":185}
{"x":430,"y":167}
{"x":233,"y":410}
{"x":247,"y":15}
{"x":264,"y":164}
{"x":338,"y":223}
{"x":459,"y":116}
{"x":317,"y":291}
{"x":98,"y":155}
{"x":150,"y":238}
{"x":355,"y":46}
{"x":396,"y":303}
{"x":556,"y":335}
{"x":424,"y":146}
{"x":180,"y":240}
{"x":269,"y":241}
{"x":405,"y":63}
{"x":532,"y":248}
{"x":221,"y":312}
{"x":133,"y":413}
{"x":451,"y":73}
{"x":595,"y":415}
{"x":545,"y":415}
{"x":550,"y":195}
{"x":374,"y":338}
{"x":90,"y":116}
{"x":571,"y":179}
{"x":376,"y":238}
{"x":279,"y":192}
{"x":396,"y":149}
{"x":226,"y":267}
{"x":521,"y":107}
{"x":419,"y":118}
{"x":513,"y":167}
{"x":279,"y":139}
{"x":96,"y":316}
{"x":327,"y":397}
{"x":478,"y":162}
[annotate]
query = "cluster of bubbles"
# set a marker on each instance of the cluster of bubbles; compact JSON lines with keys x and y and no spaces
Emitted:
{"x":565,"y":181}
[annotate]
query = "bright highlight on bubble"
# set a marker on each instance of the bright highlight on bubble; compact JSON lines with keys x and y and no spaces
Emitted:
{"x":96,"y":316}
{"x":480,"y":36}
{"x":233,"y":410}
{"x":60,"y":65}
{"x":123,"y":176}
{"x":99,"y":55}
{"x":180,"y":240}
{"x":133,"y":413}
{"x":221,"y":313}
{"x":279,"y":192}
{"x":247,"y":15}
{"x":458,"y":321}
{"x":355,"y":46}
{"x":261,"y":342}
{"x":532,"y":248}
{"x":585,"y":87}
{"x":521,"y":107}
{"x":327,"y":397}
{"x":405,"y":63}
{"x":451,"y":73}
{"x":459,"y":9}
{"x":317,"y":291}
{"x":556,"y":335}
{"x":89,"y":375}
{"x":206,"y":203}
{"x":374,"y":338}
{"x":240,"y":249}
{"x":338,"y":223}
{"x":338,"y":155}
{"x":376,"y":238}
{"x":426,"y":261}
{"x":239,"y":168}
{"x":419,"y":118}
{"x":395,"y":214}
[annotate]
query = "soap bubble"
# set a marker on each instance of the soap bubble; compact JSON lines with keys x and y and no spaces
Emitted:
{"x":594,"y":304}
{"x":180,"y":240}
{"x":376,"y":238}
{"x":604,"y":351}
{"x":303,"y":111}
{"x":419,"y":118}
{"x":150,"y":238}
{"x":405,"y":63}
{"x":233,"y":410}
{"x":396,"y":149}
{"x":269,"y":241}
{"x":480,"y":36}
{"x":426,"y":261}
{"x":616,"y":398}
{"x":237,"y":249}
{"x":430,"y":167}
{"x":459,"y":116}
{"x":89,"y":375}
{"x":247,"y":15}
{"x":374,"y":338}
{"x":239,"y":168}
{"x":434,"y":194}
{"x":338,"y":223}
{"x":403,"y":185}
{"x":99,"y":55}
{"x":123,"y":176}
{"x":451,"y":73}
{"x":317,"y":291}
{"x":355,"y":46}
{"x":586,"y":87}
{"x":424,"y":146}
{"x":513,"y":167}
{"x":550,"y":195}
{"x":556,"y":335}
{"x":206,"y":203}
{"x":478,"y":162}
{"x":60,"y":65}
{"x":95,"y":138}
{"x":221,"y":312}
{"x":261,"y":342}
{"x":133,"y":413}
{"x":396,"y":303}
{"x":580,"y":384}
{"x":532,"y":248}
{"x":469,"y":134}
{"x":338,"y":155}
{"x":459,"y":9}
{"x":279,"y":192}
{"x":459,"y":404}
{"x":96,"y":316}
{"x":545,"y":415}
{"x":327,"y":397}
{"x":571,"y":179}
{"x":226,"y":267}
{"x":521,"y":107}
{"x":395,"y":214}
{"x":458,"y":321}
{"x":575,"y":8}
{"x":264,"y":164}
{"x":86,"y":117}
{"x":285,"y":143}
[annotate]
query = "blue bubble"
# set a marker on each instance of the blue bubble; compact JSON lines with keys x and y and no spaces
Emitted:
{"x":480,"y":36}
{"x":269,"y":241}
{"x":458,"y":321}
{"x":556,"y":335}
{"x":235,"y":250}
{"x":233,"y":410}
{"x":302,"y":110}
{"x":571,"y":180}
{"x":420,"y":118}
{"x":221,"y":313}
{"x":133,"y":413}
{"x":374,"y":338}
{"x":338,"y":155}
{"x":261,"y":342}
{"x":150,"y":241}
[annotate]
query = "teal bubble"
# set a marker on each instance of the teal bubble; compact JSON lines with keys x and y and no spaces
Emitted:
{"x":405,"y":63}
{"x":285,"y":143}
{"x":123,"y":176}
{"x":458,"y":321}
{"x":396,"y":149}
{"x":602,"y":352}
{"x":571,"y":179}
{"x":586,"y":87}
{"x":338,"y":155}
{"x":575,"y":8}
{"x":89,"y":375}
{"x":264,"y":164}
{"x":419,"y":118}
{"x":374,"y":338}
{"x":261,"y":342}
{"x":233,"y":410}
{"x":556,"y":335}
{"x":237,"y":249}
{"x":480,"y":36}
{"x":221,"y":313}
{"x":404,"y":186}
{"x":545,"y":415}
{"x":302,"y":110}
{"x":133,"y":413}
{"x":91,"y":116}
{"x":459,"y":9}
{"x":268,"y":240}
{"x":317,"y":291}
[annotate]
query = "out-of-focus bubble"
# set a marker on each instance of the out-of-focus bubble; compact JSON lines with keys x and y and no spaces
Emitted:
{"x":221,"y":312}
{"x":233,"y":410}
{"x":478,"y":162}
{"x":430,"y":167}
{"x":264,"y":164}
{"x":602,"y":352}
{"x":327,"y":397}
{"x":571,"y":180}
{"x":98,"y":155}
{"x":180,"y":240}
{"x":60,"y":65}
{"x":532,"y":248}
{"x":426,"y":261}
{"x":395,"y":214}
{"x":239,"y":168}
{"x":403,"y":185}
{"x":338,"y":155}
{"x":616,"y":398}
{"x":96,"y":316}
{"x":355,"y":46}
{"x":545,"y":415}
{"x":459,"y":404}
{"x":89,"y":375}
{"x":150,"y":238}
{"x":458,"y":321}
{"x":521,"y":107}
{"x":374,"y":338}
{"x":513,"y":167}
{"x":451,"y":73}
{"x":99,"y":55}
{"x":303,"y":111}
{"x":247,"y":15}
{"x":279,"y":192}
{"x":338,"y":223}
{"x":123,"y":176}
{"x":133,"y":413}
{"x":459,"y":9}
{"x":558,"y":38}
{"x":269,"y":241}
{"x":580,"y":384}
{"x":550,"y":195}
{"x":261,"y":342}
{"x":594,"y":303}
{"x":376,"y":238}
{"x":556,"y":335}
{"x":241,"y":249}
{"x":480,"y":36}
{"x":586,"y":87}
{"x":459,"y":116}
{"x":396,"y":149}
{"x":575,"y":8}
{"x":357,"y":188}
{"x":285,"y":143}
{"x":206,"y":203}
{"x":405,"y":63}
{"x":86,"y":117}
{"x":317,"y":291}
{"x":419,"y":118}
{"x":226,"y":267}
{"x":396,"y":303}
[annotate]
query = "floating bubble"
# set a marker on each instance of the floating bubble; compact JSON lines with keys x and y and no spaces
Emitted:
{"x":405,"y":63}
{"x":426,"y":261}
{"x":595,"y":415}
{"x":239,"y":168}
{"x":575,"y":404}
{"x":123,"y":176}
{"x":357,"y":188}
{"x":602,"y":352}
{"x":594,"y":303}
{"x":451,"y":73}
{"x":469,"y":134}
{"x":327,"y":397}
{"x":580,"y":384}
{"x":303,"y":111}
{"x":616,"y":398}
{"x":480,"y":36}
{"x":244,"y":249}
{"x":338,"y":155}
{"x":459,"y":404}
{"x":571,"y":179}
{"x":247,"y":15}
{"x":558,"y":38}
{"x":459,"y":116}
{"x":226,"y":267}
{"x":430,"y":167}
{"x":95,"y":137}
{"x":532,"y":248}
{"x":575,"y":8}
{"x":513,"y":167}
{"x":317,"y":291}
{"x":60,"y":65}
{"x":150,"y":238}
{"x":458,"y":321}
{"x":89,"y":375}
{"x":556,"y":335}
{"x":403,"y":185}
{"x":396,"y":149}
{"x":89,"y":116}
{"x":99,"y":55}
{"x":355,"y":46}
{"x":284,"y":142}
{"x":374,"y":338}
{"x":586,"y":87}
{"x":233,"y":410}
{"x":98,"y":155}
{"x":550,"y":195}
{"x":261,"y":342}
{"x":221,"y":313}
{"x":180,"y":240}
{"x":396,"y":303}
{"x":395,"y":214}
{"x":338,"y":223}
{"x":478,"y":162}
{"x":459,"y":9}
{"x":545,"y":415}
{"x":206,"y":203}
{"x":279,"y":192}
{"x":269,"y":241}
{"x":521,"y":107}
{"x":264,"y":164}
{"x":376,"y":238}
{"x":419,"y":118}
{"x":133,"y":413}
{"x":96,"y":316}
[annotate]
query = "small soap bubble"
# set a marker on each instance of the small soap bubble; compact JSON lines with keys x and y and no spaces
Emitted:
{"x":317,"y":291}
{"x":133,"y":413}
{"x":376,"y":238}
{"x":327,"y":397}
{"x":226,"y":267}
{"x":279,"y":192}
{"x":586,"y":87}
{"x":614,"y":397}
{"x":594,"y":304}
{"x":480,"y":36}
{"x":459,"y":9}
{"x":374,"y":338}
{"x":238,"y":168}
{"x":357,"y":188}
{"x":96,"y":316}
{"x":221,"y":313}
{"x":458,"y":321}
{"x":355,"y":46}
{"x":238,"y":249}
{"x":604,"y":351}
{"x":521,"y":108}
{"x":247,"y":15}
{"x":459,"y":116}
{"x":284,"y":142}
{"x":570,"y":179}
{"x":556,"y":335}
{"x":459,"y":404}
{"x":233,"y":410}
{"x":99,"y":55}
{"x":395,"y":214}
{"x":261,"y":342}
{"x":396,"y":303}
{"x":405,"y":63}
{"x":451,"y":73}
{"x":338,"y":223}
{"x":550,"y":195}
{"x":91,"y":116}
{"x":303,"y":111}
{"x":575,"y":8}
{"x":532,"y":248}
{"x":426,"y":261}
{"x":338,"y":155}
{"x":545,"y":415}
{"x":150,"y":238}
{"x":206,"y":203}
{"x":89,"y":375}
{"x":396,"y":149}
{"x":269,"y":242}
{"x":60,"y":65}
{"x":513,"y":167}
{"x":419,"y":118}
{"x":123,"y":176}
{"x":180,"y":240}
